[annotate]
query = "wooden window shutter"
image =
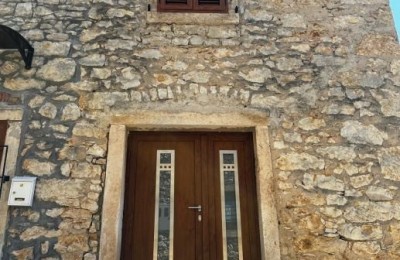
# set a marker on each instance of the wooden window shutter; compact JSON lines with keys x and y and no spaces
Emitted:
{"x":176,"y":1}
{"x":209,"y":2}
{"x":175,"y":5}
{"x":211,"y":6}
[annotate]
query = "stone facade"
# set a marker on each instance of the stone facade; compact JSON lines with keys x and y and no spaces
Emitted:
{"x":326,"y":72}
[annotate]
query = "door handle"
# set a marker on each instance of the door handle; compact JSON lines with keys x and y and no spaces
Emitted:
{"x":195,"y":207}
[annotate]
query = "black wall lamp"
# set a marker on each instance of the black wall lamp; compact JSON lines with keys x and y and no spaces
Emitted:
{"x":10,"y":39}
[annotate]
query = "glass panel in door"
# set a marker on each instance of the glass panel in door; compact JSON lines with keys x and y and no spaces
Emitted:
{"x":164,"y":206}
{"x":230,"y":206}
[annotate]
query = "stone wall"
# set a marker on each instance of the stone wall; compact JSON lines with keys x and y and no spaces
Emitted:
{"x":327,"y":72}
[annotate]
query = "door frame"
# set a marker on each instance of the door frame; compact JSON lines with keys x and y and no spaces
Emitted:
{"x":249,"y":121}
{"x":14,"y":117}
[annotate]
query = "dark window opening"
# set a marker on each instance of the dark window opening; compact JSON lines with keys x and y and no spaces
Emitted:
{"x":199,"y":6}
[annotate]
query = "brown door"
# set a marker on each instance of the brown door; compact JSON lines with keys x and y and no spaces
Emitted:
{"x":190,"y":196}
{"x":3,"y":131}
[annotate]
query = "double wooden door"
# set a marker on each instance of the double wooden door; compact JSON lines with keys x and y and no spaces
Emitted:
{"x":190,"y":196}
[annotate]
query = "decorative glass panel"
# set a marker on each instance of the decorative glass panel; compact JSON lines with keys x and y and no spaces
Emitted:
{"x":165,"y":158}
{"x":164,"y":206}
{"x":228,"y":159}
{"x":230,"y":205}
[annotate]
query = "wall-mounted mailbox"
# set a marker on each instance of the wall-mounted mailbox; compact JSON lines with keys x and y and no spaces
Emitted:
{"x":21,"y":191}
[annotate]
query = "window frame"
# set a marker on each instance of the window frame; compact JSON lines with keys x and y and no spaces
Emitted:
{"x":192,"y":6}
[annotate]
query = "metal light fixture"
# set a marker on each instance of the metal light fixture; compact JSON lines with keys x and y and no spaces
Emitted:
{"x":10,"y":39}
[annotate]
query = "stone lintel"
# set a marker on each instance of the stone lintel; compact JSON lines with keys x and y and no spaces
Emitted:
{"x":170,"y":120}
{"x":11,"y":114}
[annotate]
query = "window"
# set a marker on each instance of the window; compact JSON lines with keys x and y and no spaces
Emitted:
{"x":207,"y":6}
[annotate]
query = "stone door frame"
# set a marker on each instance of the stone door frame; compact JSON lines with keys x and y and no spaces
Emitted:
{"x":14,"y":117}
{"x":248,"y":121}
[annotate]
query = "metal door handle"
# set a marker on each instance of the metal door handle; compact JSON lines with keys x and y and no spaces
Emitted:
{"x":195,"y":207}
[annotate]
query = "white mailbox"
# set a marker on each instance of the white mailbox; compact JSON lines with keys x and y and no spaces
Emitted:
{"x":21,"y":191}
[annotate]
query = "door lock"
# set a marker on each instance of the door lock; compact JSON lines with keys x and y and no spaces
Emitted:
{"x":196,"y":207}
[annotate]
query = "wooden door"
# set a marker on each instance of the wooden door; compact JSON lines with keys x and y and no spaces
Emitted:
{"x":3,"y":131}
{"x":189,"y":206}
